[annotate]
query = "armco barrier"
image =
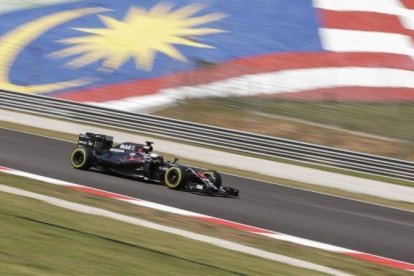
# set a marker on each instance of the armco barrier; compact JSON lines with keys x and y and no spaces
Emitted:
{"x":238,"y":141}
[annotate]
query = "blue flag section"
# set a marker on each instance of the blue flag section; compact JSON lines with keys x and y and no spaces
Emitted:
{"x":88,"y":44}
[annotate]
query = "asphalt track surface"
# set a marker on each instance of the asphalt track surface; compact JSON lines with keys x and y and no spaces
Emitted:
{"x":354,"y":225}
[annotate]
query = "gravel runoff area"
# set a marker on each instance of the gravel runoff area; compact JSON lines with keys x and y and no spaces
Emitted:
{"x":217,"y":157}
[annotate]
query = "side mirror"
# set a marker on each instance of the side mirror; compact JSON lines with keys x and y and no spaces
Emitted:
{"x":175,"y":160}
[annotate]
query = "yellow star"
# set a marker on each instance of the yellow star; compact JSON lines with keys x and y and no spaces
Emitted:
{"x":140,"y":35}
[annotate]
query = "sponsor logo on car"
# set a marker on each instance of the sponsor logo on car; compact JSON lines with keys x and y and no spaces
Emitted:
{"x":199,"y":187}
{"x":116,"y":150}
{"x":127,"y":147}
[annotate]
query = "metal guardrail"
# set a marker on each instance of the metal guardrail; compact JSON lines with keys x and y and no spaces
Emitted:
{"x":237,"y":141}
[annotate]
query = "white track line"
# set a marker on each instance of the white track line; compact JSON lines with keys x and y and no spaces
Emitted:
{"x":242,"y":227}
{"x":171,"y":230}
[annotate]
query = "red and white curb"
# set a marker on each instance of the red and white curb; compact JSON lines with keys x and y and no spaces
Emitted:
{"x":204,"y":218}
{"x":81,"y":208}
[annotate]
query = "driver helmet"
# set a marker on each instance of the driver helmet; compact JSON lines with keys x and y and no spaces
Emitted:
{"x":156,"y":157}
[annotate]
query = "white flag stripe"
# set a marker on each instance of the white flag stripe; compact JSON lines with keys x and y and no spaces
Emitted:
{"x":407,"y":19}
{"x":299,"y":80}
{"x":138,"y":103}
{"x":288,"y":81}
{"x":380,"y":6}
{"x":338,"y":40}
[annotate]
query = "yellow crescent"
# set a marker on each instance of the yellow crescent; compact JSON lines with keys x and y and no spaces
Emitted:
{"x":13,"y":42}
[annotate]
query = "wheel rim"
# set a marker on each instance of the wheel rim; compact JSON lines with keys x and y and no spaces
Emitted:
{"x":78,"y":158}
{"x":173,"y":177}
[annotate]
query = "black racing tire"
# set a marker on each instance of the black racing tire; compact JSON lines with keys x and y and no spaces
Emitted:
{"x":82,"y":158}
{"x":214,"y":177}
{"x":175,"y":178}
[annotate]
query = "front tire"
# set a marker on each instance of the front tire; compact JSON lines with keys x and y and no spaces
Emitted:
{"x":175,"y":178}
{"x":82,"y":158}
{"x":214,"y":177}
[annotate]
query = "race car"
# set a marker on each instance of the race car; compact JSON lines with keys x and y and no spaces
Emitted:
{"x":139,"y":161}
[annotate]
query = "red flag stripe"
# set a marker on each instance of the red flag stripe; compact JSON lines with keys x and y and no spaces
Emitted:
{"x":409,"y":4}
{"x":363,"y":21}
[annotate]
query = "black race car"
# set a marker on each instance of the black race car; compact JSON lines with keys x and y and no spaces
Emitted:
{"x":138,"y":161}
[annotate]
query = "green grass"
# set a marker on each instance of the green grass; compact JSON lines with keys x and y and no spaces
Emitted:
{"x":37,"y":238}
{"x":38,"y":243}
{"x":395,"y":120}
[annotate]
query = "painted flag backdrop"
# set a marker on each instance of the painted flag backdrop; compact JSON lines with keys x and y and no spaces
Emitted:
{"x":136,"y":55}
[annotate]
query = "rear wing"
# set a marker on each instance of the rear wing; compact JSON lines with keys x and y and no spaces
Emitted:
{"x":96,"y":142}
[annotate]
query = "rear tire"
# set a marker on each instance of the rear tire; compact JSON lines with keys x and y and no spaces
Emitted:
{"x":82,"y":158}
{"x":214,"y":177}
{"x":175,"y":178}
